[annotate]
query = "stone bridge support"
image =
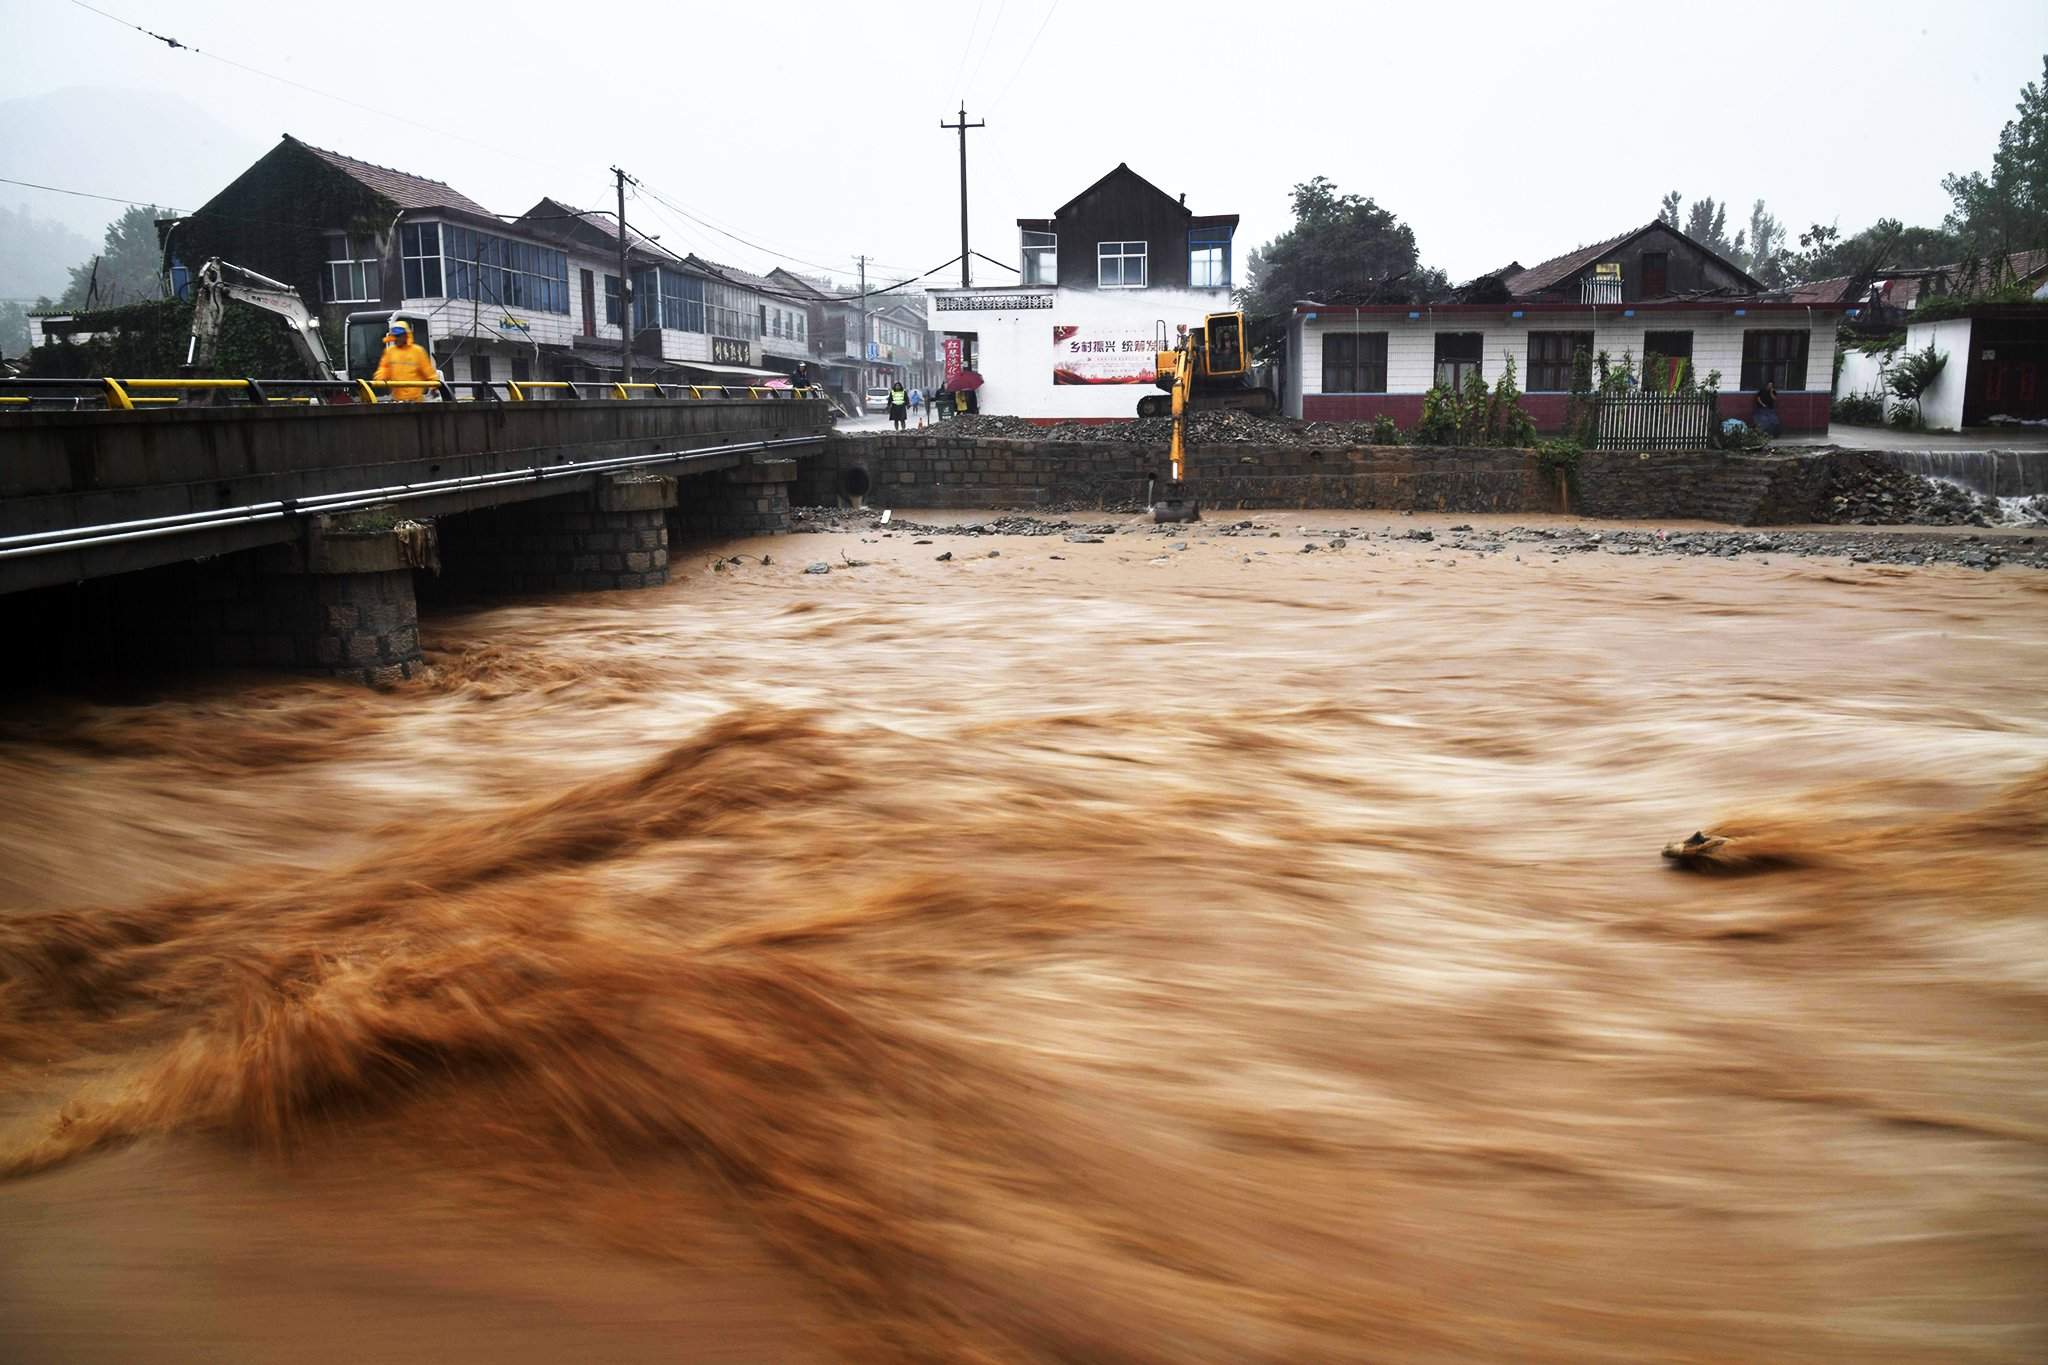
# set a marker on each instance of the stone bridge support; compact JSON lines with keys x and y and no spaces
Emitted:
{"x":752,"y":500}
{"x":614,"y":537}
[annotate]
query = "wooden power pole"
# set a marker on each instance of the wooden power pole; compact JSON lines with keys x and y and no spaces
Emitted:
{"x":625,"y":289}
{"x":961,"y":127}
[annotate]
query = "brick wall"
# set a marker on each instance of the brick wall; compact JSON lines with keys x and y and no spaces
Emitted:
{"x":945,"y":471}
{"x":575,"y":543}
{"x":974,"y":473}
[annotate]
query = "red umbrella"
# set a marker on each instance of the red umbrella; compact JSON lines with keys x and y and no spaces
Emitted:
{"x":967,"y":381}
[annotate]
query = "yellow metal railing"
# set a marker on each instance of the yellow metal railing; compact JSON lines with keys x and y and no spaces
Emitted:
{"x":127,"y":395}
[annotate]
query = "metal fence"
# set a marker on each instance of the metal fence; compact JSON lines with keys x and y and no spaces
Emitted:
{"x":1647,"y":421}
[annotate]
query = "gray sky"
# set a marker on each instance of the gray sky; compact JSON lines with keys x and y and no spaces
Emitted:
{"x":1497,"y":131}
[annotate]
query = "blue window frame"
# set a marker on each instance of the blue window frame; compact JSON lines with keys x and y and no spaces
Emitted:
{"x":1209,"y":258}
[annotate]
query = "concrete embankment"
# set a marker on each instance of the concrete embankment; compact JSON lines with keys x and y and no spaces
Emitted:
{"x":940,"y":470}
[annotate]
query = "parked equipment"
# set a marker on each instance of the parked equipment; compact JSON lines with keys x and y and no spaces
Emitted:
{"x":1219,"y":367}
{"x":218,"y":281}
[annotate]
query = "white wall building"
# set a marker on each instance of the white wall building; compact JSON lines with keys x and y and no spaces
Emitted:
{"x":1117,"y":268}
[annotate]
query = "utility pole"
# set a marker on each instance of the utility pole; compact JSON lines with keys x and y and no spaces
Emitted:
{"x":625,"y":288}
{"x":864,"y":322}
{"x":961,"y":127}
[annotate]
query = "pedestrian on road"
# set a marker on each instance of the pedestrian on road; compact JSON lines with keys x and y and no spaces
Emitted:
{"x":899,"y":404}
{"x":917,"y":404}
{"x":404,"y":361}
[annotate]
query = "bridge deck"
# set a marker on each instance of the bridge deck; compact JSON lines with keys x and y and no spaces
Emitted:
{"x":85,"y":494}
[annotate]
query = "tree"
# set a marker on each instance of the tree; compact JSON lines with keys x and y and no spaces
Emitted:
{"x":128,"y":269}
{"x":1707,"y":224}
{"x":1343,"y":248}
{"x":2007,"y":211}
{"x":14,"y":326}
{"x":1667,"y":213}
{"x":1765,"y":255}
{"x":1824,"y":253}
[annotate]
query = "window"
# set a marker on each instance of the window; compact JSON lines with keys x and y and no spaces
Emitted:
{"x":522,"y":369}
{"x":764,"y":320}
{"x":353,"y":273}
{"x":181,"y":280}
{"x":480,"y":367}
{"x":501,"y":272}
{"x":1209,"y":258}
{"x":1656,"y":274}
{"x":1777,"y":357}
{"x":682,"y":302}
{"x":1457,"y":357}
{"x":1676,"y":350}
{"x":1120,"y":265}
{"x":1554,"y":356}
{"x":611,"y":299}
{"x":1354,"y":362}
{"x":1041,"y":263}
{"x":419,"y":246}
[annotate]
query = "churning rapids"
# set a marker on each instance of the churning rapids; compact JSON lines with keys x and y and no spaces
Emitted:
{"x":1095,"y":952}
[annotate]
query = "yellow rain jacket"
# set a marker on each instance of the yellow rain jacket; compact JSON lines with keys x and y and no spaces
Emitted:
{"x":404,"y":362}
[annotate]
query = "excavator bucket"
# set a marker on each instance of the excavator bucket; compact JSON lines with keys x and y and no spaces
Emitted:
{"x":1175,"y":506}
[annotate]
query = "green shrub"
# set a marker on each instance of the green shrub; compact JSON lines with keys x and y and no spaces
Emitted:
{"x":1384,"y":432}
{"x":1858,"y":409}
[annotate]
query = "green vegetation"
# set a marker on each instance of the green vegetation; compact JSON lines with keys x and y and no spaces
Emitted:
{"x":1343,"y":248}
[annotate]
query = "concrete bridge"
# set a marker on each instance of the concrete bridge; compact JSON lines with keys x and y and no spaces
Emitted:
{"x":288,"y":536}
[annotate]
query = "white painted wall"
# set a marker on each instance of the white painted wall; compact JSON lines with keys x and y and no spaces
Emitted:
{"x":1862,"y":375}
{"x":1411,"y":345}
{"x":1017,"y":353}
{"x":1941,"y":407}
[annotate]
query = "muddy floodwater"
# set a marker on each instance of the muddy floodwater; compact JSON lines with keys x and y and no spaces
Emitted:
{"x":1102,"y":952}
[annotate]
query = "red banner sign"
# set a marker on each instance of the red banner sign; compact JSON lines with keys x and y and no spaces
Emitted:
{"x":953,"y":365}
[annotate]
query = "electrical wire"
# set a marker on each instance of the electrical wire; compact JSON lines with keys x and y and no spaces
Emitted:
{"x":82,"y":194}
{"x":986,"y":43}
{"x":1023,"y":61}
{"x":170,"y":42}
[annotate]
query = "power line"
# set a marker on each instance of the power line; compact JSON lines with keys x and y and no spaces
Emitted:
{"x":81,"y":194}
{"x":1023,"y":61}
{"x":988,"y":42}
{"x":439,"y":133}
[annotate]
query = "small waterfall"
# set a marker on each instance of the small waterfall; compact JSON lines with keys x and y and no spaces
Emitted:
{"x":2002,"y":474}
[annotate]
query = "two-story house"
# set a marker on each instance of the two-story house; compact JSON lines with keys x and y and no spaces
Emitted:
{"x":1076,"y":337}
{"x":1652,"y":295}
{"x":352,"y":236}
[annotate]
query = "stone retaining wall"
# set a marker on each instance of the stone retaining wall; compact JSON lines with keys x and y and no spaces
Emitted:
{"x":991,"y":472}
{"x":616,"y":537}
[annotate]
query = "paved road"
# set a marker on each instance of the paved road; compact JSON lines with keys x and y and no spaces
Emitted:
{"x":1976,"y":438}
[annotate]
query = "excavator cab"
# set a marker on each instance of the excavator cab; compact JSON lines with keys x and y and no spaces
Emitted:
{"x":366,"y":339}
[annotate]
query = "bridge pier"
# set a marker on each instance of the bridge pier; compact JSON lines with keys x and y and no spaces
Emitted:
{"x":341,"y":605}
{"x":752,"y":500}
{"x":614,"y":537}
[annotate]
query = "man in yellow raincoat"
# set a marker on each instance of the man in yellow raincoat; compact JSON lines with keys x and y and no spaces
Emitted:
{"x":404,"y":361}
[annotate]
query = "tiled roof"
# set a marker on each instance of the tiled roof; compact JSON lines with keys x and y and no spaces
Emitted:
{"x":406,"y":191}
{"x":1831,"y":290}
{"x":1560,"y":268}
{"x":734,"y":275}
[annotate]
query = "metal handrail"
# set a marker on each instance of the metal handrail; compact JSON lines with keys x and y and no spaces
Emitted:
{"x":124,"y":395}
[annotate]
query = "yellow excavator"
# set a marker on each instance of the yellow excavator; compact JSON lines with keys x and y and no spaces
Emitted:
{"x":1205,"y":369}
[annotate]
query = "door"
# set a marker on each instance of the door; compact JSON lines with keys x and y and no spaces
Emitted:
{"x":589,"y":304}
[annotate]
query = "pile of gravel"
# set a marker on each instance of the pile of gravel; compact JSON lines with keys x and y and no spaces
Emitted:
{"x":1203,"y":429}
{"x":1867,"y":493}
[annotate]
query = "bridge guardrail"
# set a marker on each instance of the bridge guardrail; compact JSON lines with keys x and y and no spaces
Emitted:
{"x":126,"y":395}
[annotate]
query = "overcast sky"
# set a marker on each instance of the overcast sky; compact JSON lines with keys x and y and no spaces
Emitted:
{"x":1497,"y":131}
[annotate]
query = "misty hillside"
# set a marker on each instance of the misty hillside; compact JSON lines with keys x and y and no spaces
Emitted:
{"x":36,"y":253}
{"x":130,"y":143}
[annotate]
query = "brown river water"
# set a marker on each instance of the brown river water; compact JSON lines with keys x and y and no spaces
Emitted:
{"x":1094,"y":952}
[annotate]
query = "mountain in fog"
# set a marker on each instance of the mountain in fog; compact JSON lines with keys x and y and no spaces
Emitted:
{"x":36,"y":253}
{"x":119,"y":141}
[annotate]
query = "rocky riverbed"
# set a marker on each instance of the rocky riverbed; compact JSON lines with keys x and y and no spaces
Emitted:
{"x":1498,"y":537}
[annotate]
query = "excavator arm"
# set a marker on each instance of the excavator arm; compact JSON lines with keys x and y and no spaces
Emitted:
{"x":218,"y":281}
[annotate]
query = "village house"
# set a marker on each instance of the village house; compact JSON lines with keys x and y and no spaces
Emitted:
{"x":1650,"y":292}
{"x":1995,"y":351}
{"x":1117,"y":268}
